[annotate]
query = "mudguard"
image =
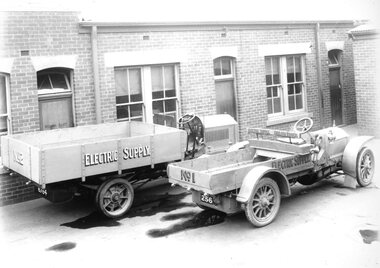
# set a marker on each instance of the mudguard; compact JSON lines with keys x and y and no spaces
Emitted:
{"x":351,"y":152}
{"x":252,"y":178}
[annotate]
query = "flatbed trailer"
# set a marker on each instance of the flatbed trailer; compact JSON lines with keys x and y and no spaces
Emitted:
{"x":97,"y":157}
{"x":254,"y":178}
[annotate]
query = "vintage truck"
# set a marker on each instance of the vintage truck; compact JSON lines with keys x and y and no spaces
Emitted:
{"x":112,"y":159}
{"x":253,"y":178}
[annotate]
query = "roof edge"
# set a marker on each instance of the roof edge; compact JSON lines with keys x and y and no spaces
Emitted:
{"x":207,"y":23}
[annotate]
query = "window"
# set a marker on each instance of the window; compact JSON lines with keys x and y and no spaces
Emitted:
{"x":225,"y":86}
{"x":222,"y":67}
{"x":55,"y":98}
{"x":49,"y":83}
{"x":147,"y":93}
{"x":4,"y":100}
{"x":285,"y":85}
{"x":334,"y":57}
{"x":129,"y":98}
{"x":164,"y":94}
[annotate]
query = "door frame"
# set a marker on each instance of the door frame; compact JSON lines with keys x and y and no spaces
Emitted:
{"x":333,"y":68}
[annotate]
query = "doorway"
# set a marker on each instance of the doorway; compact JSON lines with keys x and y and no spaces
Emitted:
{"x":335,"y":87}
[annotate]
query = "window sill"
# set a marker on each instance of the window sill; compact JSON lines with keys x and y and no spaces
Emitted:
{"x":287,"y":118}
{"x":54,"y":95}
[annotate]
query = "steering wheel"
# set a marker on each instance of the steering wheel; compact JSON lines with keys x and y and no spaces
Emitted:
{"x":186,"y":118}
{"x":303,"y":125}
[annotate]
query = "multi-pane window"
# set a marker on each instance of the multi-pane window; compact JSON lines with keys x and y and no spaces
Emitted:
{"x":129,"y":97}
{"x":222,"y":66}
{"x":284,"y":84}
{"x":164,"y":91}
{"x":3,"y":105}
{"x":55,"y":98}
{"x":272,"y":67}
{"x":52,"y":83}
{"x":225,"y":86}
{"x":295,"y":82}
{"x":147,"y":93}
{"x":334,"y":57}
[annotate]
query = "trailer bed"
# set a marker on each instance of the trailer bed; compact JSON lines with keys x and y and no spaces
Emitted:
{"x":64,"y":154}
{"x":226,"y":171}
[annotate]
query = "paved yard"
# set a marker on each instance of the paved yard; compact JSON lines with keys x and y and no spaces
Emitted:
{"x":323,"y":225}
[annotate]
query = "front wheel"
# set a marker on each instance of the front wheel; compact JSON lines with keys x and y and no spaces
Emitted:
{"x":114,"y":197}
{"x":264,"y":203}
{"x":365,"y":167}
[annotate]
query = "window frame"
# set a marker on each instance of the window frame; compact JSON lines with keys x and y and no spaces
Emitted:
{"x":54,"y":91}
{"x":222,"y":76}
{"x":7,"y":115}
{"x":283,"y":87}
{"x":131,"y":118}
{"x":164,"y":98}
{"x":44,"y":95}
{"x":147,"y":90}
{"x":227,"y":77}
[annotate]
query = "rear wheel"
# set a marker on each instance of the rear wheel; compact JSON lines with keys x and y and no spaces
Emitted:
{"x":365,"y":167}
{"x":264,"y":203}
{"x":114,"y":197}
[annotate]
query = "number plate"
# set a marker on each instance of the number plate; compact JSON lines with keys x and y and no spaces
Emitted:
{"x":205,"y":198}
{"x":43,"y":192}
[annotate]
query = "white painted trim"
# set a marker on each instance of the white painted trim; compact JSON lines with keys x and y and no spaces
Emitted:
{"x":334,"y":45}
{"x":134,"y":58}
{"x":6,"y":65}
{"x":284,"y":49}
{"x":217,"y":52}
{"x":45,"y":62}
{"x":287,"y":118}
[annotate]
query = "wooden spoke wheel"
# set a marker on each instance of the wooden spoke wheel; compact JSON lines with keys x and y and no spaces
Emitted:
{"x":365,"y":167}
{"x":264,"y":203}
{"x":114,"y":197}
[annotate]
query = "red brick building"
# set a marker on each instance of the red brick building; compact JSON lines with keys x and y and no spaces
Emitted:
{"x":366,"y":43}
{"x":57,"y":71}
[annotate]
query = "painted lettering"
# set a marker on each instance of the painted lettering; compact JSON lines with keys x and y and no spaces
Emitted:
{"x":100,"y":158}
{"x":18,"y":158}
{"x":136,"y":152}
{"x":113,"y":156}
{"x":187,"y":176}
{"x":292,"y":162}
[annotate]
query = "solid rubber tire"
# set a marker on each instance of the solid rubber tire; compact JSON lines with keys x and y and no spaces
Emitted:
{"x":103,"y":189}
{"x":359,"y":179}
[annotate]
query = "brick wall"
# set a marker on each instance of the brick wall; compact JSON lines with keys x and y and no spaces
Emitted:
{"x":367,"y":83}
{"x":347,"y":75}
{"x":23,"y":36}
{"x":13,"y":189}
{"x":26,"y":35}
{"x":45,"y":34}
{"x":197,"y":86}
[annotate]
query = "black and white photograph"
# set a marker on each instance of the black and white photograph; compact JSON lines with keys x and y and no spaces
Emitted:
{"x":190,"y":133}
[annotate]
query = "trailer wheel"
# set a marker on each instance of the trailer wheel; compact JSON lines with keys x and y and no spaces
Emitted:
{"x":264,"y":203}
{"x":365,"y":167}
{"x":114,"y":197}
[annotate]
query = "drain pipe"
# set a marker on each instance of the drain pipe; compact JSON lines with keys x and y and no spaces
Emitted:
{"x":95,"y":70}
{"x":319,"y":73}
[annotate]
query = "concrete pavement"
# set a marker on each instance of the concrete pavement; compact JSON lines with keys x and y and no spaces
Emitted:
{"x":323,"y":225}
